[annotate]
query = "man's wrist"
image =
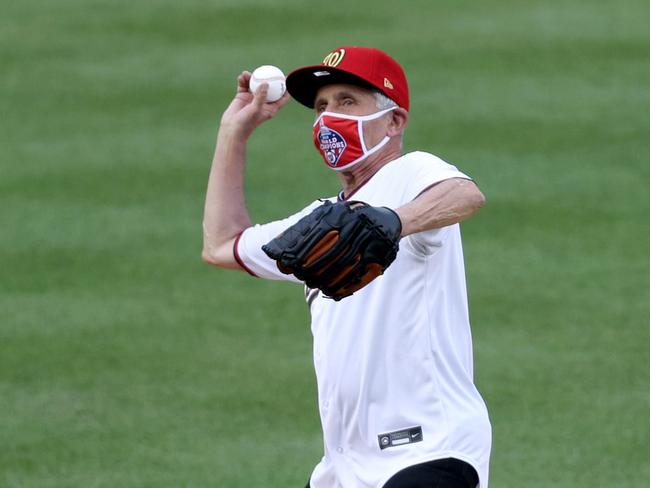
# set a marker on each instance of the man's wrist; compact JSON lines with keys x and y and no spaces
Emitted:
{"x":405,"y":220}
{"x":232,"y":131}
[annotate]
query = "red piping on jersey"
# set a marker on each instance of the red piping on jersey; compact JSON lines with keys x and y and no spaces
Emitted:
{"x":235,"y":253}
{"x":438,"y":182}
{"x":427,"y":188}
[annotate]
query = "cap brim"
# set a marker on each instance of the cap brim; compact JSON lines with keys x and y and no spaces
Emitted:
{"x":303,"y":84}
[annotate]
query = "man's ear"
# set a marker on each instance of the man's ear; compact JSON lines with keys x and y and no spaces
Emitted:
{"x":399,"y":121}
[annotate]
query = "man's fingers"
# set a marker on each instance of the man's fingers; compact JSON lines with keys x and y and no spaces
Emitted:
{"x":260,"y":95}
{"x":243,"y":81}
{"x":283,"y":100}
{"x":253,"y":106}
{"x":261,"y":99}
{"x":271,"y":108}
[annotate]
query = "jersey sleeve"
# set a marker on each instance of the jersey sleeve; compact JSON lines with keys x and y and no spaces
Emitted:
{"x":248,"y":246}
{"x":429,"y":171}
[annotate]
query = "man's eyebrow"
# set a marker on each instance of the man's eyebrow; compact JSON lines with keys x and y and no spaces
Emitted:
{"x":345,"y":94}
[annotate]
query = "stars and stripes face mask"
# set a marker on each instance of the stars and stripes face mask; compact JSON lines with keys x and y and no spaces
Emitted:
{"x":339,"y":138}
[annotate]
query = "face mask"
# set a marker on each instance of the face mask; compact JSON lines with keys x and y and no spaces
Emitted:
{"x":339,"y":138}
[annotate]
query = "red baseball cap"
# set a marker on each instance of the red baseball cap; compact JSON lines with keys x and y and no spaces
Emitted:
{"x":364,"y":66}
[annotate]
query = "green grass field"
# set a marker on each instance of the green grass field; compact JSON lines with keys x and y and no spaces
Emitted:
{"x":127,"y":362}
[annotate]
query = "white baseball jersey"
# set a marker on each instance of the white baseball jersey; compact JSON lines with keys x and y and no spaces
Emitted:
{"x":393,"y":361}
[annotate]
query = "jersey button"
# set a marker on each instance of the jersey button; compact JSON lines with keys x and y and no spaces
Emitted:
{"x":339,"y":450}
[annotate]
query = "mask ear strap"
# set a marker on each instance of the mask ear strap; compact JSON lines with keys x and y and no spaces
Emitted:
{"x":364,"y":149}
{"x":376,"y":115}
{"x":377,"y":146}
{"x":361,"y":120}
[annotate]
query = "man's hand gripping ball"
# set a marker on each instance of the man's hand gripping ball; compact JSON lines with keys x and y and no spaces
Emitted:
{"x":339,"y":247}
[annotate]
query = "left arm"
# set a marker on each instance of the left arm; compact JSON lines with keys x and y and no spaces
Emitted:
{"x":445,"y":203}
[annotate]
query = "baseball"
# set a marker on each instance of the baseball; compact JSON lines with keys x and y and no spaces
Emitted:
{"x":274,"y":77}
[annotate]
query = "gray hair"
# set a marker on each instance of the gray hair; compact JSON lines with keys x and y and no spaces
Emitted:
{"x":382,"y":101}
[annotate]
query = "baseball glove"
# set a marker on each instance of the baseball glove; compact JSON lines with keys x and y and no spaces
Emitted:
{"x":339,"y":247}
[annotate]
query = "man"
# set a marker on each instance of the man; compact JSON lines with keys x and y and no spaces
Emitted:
{"x":393,"y":362}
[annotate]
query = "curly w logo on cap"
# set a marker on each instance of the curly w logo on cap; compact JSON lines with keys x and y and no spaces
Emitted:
{"x":334,"y":58}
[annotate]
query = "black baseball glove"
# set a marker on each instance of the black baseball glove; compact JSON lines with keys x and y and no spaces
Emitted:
{"x":339,"y":247}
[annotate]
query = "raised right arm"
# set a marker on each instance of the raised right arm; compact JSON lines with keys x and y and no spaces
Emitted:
{"x":225,"y":214}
